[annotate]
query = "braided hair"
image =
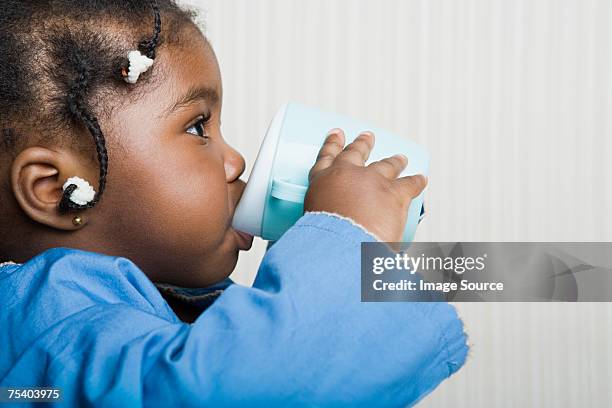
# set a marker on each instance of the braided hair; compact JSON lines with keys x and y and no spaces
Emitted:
{"x":69,"y":66}
{"x":78,"y":108}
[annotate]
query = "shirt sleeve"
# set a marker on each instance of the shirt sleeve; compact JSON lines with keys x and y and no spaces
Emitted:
{"x":299,"y":336}
{"x":302,"y":336}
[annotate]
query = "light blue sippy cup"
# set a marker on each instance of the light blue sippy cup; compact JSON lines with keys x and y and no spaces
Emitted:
{"x":273,"y":199}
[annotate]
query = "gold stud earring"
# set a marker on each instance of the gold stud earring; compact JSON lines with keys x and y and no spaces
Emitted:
{"x":77,"y":221}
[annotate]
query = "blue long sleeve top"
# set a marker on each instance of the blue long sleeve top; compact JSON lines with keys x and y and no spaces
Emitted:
{"x":96,"y":327}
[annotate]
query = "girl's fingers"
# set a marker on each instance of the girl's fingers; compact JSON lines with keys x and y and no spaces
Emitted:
{"x":390,"y":167}
{"x":332,"y":146}
{"x":358,"y":151}
{"x":411,"y":186}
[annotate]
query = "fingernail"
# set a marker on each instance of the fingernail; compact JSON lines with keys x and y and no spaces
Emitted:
{"x":332,"y":132}
{"x":401,"y":156}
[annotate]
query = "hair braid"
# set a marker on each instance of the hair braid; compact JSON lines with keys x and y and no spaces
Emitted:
{"x":150,"y":44}
{"x":78,"y":107}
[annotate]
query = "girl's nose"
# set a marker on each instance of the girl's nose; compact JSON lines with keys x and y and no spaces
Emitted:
{"x":234,"y":164}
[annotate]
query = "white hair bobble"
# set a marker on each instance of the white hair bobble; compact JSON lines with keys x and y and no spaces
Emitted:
{"x":84,"y":192}
{"x":139,"y":64}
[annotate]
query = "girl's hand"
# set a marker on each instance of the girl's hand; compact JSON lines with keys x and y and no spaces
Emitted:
{"x":371,"y":195}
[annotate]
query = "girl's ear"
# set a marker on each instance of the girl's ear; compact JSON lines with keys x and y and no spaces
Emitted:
{"x":37,"y":177}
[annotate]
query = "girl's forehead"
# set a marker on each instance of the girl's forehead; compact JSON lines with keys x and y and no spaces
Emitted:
{"x":193,"y":57}
{"x":189,"y":72}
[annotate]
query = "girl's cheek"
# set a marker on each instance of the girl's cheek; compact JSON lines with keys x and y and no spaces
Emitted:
{"x":213,"y":190}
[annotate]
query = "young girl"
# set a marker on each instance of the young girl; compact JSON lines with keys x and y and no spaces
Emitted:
{"x":87,"y":234}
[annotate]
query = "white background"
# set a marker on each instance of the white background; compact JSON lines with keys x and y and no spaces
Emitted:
{"x":513,"y":98}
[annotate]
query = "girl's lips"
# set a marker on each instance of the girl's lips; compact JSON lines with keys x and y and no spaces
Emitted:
{"x":245,"y":241}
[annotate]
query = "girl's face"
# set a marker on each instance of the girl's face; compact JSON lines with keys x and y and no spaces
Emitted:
{"x":173,"y":181}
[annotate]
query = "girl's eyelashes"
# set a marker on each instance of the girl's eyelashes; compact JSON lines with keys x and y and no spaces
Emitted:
{"x":198,"y":128}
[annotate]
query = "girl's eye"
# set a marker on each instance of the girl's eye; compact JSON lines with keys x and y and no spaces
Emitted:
{"x":199,"y":127}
